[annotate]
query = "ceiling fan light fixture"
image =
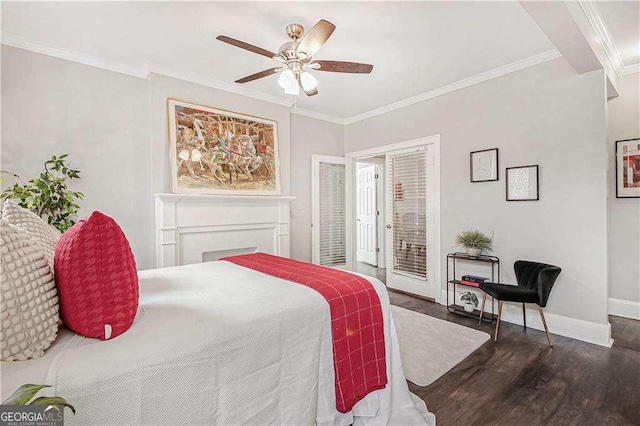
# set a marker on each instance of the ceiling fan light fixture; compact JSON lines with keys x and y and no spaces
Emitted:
{"x":287,"y":80}
{"x":308,"y":81}
{"x":294,"y":90}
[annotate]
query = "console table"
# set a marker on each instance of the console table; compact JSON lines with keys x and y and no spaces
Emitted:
{"x":452,"y":280}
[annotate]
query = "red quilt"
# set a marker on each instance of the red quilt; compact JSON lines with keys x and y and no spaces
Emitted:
{"x":356,"y":322}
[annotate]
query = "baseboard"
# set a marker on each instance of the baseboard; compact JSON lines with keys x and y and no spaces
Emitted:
{"x":586,"y":331}
{"x":624,"y":308}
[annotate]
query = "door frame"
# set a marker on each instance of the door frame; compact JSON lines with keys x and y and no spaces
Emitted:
{"x":351,"y":211}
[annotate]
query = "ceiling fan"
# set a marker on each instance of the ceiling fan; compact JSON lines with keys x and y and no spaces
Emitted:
{"x":296,"y":59}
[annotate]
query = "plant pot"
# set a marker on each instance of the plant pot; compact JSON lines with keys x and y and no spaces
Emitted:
{"x":472,"y":251}
{"x":469,"y":307}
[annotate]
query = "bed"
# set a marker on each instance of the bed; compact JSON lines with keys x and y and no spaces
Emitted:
{"x":216,"y":343}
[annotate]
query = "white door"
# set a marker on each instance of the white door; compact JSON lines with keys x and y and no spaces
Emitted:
{"x":410,"y":221}
{"x":366,"y":215}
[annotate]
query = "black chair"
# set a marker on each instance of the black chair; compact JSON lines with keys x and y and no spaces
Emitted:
{"x":535,"y":281}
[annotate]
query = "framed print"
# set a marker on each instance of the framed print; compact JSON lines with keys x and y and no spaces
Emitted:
{"x":484,"y":165}
{"x":523,"y":183}
{"x":213,"y":151}
{"x":628,"y":168}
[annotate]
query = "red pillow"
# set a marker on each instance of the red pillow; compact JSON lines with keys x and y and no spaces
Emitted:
{"x":96,"y":278}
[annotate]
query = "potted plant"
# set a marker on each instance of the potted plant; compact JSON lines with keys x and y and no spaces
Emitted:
{"x":25,"y":394}
{"x":474,"y":242}
{"x":48,"y":195}
{"x":470,"y":301}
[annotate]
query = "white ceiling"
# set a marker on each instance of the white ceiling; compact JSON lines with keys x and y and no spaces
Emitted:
{"x":415,"y":47}
{"x":622,"y":19}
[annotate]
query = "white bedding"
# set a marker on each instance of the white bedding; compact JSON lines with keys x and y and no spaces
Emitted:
{"x":216,"y":343}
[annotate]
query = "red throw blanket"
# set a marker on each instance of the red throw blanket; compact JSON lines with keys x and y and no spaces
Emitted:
{"x":356,"y":322}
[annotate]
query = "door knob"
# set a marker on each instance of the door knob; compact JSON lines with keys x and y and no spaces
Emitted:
{"x":388,"y":226}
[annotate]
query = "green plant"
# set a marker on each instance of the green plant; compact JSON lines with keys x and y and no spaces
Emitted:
{"x":24,"y":396}
{"x":47,"y":195}
{"x":469,"y":297}
{"x":474,"y":239}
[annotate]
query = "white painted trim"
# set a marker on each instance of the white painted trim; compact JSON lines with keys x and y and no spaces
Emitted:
{"x":605,"y":41}
{"x":81,"y":58}
{"x":351,"y":211}
{"x":438,"y":211}
{"x":461,"y":84}
{"x":317,"y":115}
{"x":586,"y":331}
{"x":602,"y":34}
{"x":203,"y":80}
{"x":222,"y":198}
{"x":630,"y":69}
{"x":381,"y":208}
{"x":218,"y":221}
{"x":624,"y":308}
{"x":143,"y":71}
{"x":381,"y":150}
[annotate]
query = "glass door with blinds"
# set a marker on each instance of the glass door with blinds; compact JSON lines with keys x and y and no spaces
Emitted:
{"x":329,"y":218}
{"x":410,"y":221}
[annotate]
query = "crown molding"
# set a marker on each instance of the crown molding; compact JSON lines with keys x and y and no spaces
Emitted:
{"x":602,"y":35}
{"x":94,"y":61}
{"x":218,"y":84}
{"x":317,"y":115}
{"x":461,"y":84}
{"x":142,"y":71}
{"x":630,"y":69}
{"x":604,"y":39}
{"x":146,"y":69}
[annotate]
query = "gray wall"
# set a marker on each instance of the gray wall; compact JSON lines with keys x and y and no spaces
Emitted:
{"x":623,"y":115}
{"x":544,"y":115}
{"x":308,"y":136}
{"x":100,"y":118}
{"x":113,"y":127}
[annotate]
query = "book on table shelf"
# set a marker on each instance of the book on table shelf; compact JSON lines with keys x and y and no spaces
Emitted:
{"x":473,"y":279}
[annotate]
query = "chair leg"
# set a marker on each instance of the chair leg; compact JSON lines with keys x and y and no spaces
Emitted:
{"x":498,"y":322}
{"x":484,"y":300}
{"x":524,"y":315}
{"x":546,"y":329}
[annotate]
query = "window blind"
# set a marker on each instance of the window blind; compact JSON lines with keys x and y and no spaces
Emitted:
{"x":408,"y":177}
{"x":333,"y":221}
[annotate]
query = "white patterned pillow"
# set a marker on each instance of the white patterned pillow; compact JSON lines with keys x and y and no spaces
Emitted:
{"x":28,"y":296}
{"x":46,"y":235}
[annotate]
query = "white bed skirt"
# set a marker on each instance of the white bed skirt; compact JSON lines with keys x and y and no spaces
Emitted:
{"x":216,"y":343}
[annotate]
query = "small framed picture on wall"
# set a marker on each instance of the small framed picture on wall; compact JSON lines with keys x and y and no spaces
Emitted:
{"x":484,"y":165}
{"x":523,"y":183}
{"x":628,"y":168}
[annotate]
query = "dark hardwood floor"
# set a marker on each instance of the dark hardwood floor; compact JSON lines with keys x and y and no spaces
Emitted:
{"x":520,"y":380}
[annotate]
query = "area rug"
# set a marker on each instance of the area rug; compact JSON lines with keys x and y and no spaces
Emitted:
{"x":429,"y":347}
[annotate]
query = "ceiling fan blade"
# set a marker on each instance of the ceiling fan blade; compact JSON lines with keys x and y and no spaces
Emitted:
{"x":247,"y":46}
{"x":340,"y":66}
{"x":315,"y":38}
{"x":312,"y":92}
{"x":258,"y":75}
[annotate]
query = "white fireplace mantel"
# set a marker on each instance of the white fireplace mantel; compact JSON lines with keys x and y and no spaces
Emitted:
{"x":194,"y":228}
